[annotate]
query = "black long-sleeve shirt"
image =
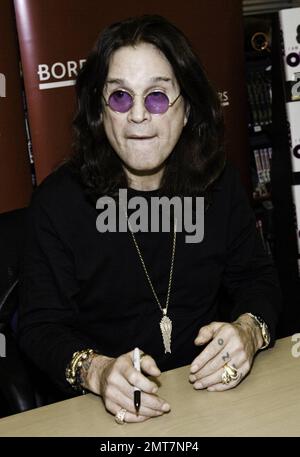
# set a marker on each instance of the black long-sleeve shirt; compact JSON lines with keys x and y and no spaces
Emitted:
{"x":84,"y":289}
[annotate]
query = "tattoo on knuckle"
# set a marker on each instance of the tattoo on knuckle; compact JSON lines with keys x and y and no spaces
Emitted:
{"x":220,"y":341}
{"x":226,"y":357}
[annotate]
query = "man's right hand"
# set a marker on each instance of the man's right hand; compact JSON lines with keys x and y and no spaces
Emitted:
{"x":114,"y":379}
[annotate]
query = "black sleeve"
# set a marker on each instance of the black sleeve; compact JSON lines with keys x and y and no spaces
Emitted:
{"x":250,"y":276}
{"x":48,"y":307}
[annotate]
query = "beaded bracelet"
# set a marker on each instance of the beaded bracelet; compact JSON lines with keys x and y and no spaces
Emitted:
{"x":74,"y":367}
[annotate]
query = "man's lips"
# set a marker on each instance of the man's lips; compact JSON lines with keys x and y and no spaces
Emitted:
{"x":140,"y":137}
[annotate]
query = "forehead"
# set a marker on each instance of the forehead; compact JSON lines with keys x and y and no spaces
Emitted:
{"x":140,"y":63}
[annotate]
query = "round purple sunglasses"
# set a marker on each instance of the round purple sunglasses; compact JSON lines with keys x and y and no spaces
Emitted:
{"x":156,"y":102}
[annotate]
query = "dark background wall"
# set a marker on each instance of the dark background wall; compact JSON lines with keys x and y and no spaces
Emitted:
{"x":15,"y":177}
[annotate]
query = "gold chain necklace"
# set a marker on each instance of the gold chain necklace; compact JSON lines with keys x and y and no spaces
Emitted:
{"x":165,"y":323}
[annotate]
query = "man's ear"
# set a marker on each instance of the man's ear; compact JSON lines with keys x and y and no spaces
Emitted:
{"x":187,"y":113}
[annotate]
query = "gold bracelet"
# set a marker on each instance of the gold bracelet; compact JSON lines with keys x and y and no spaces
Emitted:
{"x":264,"y":329}
{"x":74,"y":367}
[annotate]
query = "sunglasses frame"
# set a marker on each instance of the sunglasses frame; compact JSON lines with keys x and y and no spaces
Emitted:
{"x":144,"y":97}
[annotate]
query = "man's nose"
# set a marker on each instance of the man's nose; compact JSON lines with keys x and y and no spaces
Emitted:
{"x":138,"y":112}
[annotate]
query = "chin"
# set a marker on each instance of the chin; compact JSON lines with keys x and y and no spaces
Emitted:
{"x":144,"y":167}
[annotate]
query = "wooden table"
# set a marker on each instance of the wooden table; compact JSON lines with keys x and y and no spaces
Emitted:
{"x":266,"y":403}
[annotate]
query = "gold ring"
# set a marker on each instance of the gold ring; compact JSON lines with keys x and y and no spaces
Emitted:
{"x":233,"y":373}
{"x":120,"y":416}
{"x":225,"y":377}
{"x":229,"y":374}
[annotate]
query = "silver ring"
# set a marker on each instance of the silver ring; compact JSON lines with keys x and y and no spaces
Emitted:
{"x":120,"y":416}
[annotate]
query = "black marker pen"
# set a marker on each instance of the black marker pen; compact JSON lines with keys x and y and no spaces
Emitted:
{"x":137,"y":366}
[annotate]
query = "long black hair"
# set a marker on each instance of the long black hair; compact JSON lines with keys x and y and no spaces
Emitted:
{"x":198,"y":157}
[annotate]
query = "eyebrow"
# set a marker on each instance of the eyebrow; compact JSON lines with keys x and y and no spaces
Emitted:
{"x":154,"y":79}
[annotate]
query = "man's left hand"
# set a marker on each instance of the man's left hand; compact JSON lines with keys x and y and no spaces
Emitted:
{"x":233,"y":343}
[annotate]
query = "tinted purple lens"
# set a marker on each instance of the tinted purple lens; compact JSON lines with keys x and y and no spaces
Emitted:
{"x":120,"y":101}
{"x":157,"y":102}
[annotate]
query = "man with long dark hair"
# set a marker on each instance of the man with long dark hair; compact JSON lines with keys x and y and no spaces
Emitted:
{"x":148,"y":121}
